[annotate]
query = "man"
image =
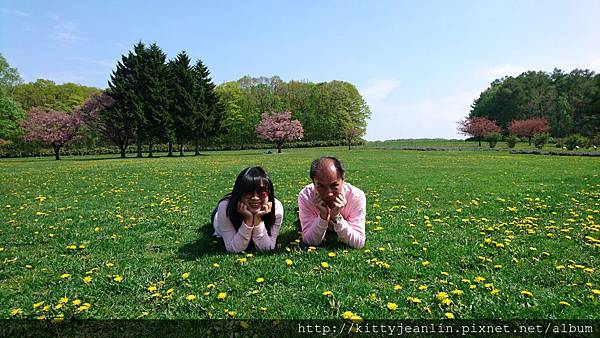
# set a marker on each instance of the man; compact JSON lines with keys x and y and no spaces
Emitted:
{"x":330,"y":203}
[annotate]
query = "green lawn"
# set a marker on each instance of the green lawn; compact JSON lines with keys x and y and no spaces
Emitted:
{"x":463,"y":234}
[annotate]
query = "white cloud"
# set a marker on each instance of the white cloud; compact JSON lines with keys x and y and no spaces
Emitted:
{"x":15,"y":12}
{"x":379,"y":90}
{"x":433,"y":118}
{"x":65,"y":31}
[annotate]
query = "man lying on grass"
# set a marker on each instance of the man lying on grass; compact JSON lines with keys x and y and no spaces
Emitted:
{"x":331,"y":204}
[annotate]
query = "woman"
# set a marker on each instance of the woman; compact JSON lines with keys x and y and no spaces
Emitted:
{"x":249,"y":214}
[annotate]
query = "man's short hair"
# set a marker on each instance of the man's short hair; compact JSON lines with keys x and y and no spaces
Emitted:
{"x":319,"y":163}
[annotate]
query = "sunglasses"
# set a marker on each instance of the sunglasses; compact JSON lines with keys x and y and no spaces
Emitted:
{"x":260,"y":192}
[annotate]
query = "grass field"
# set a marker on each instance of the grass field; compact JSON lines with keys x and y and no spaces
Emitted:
{"x":449,"y":234}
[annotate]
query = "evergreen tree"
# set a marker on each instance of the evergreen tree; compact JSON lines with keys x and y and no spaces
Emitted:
{"x":154,"y":91}
{"x":183,"y":105}
{"x":209,"y":109}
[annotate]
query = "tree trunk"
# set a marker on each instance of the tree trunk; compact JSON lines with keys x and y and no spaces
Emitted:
{"x":170,"y":154}
{"x":139,"y":146}
{"x":349,"y":143}
{"x":56,"y":152}
{"x":150,"y":150}
{"x":181,"y":149}
{"x":197,"y":147}
{"x":529,"y":140}
{"x":122,"y":151}
{"x":279,"y":148}
{"x":479,"y":142}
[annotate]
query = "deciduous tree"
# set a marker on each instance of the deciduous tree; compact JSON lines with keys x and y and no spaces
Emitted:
{"x":53,"y":127}
{"x":529,"y":127}
{"x":279,"y":127}
{"x":478,"y":127}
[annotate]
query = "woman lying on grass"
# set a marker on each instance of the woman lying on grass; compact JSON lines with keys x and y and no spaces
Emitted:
{"x":250,"y":215}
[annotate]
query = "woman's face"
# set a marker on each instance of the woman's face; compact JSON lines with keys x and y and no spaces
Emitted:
{"x":256,"y":199}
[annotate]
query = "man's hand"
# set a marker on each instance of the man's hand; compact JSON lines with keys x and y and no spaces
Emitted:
{"x":242,"y":208}
{"x":321,"y":205}
{"x":265,"y":209}
{"x":338,"y":204}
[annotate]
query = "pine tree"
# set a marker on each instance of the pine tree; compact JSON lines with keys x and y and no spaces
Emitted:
{"x":209,"y":110}
{"x":155,"y":94}
{"x":183,"y":106}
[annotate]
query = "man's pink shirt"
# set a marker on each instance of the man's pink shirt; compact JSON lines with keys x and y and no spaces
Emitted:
{"x":351,"y":229}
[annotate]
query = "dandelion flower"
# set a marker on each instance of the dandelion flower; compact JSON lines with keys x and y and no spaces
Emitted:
{"x":449,"y":315}
{"x":331,"y":254}
{"x":422,"y":287}
{"x":65,"y":275}
{"x":397,"y":287}
{"x":324,"y":265}
{"x":191,"y":297}
{"x":327,"y":293}
{"x":596,"y":292}
{"x":457,"y":292}
{"x":526,"y":293}
{"x":289,"y":262}
{"x":215,"y":265}
{"x":260,"y":280}
{"x":185,"y":275}
{"x":118,"y":278}
{"x":210,"y":286}
{"x":347,"y":315}
{"x":392,"y":306}
{"x":222,"y":295}
{"x":87,"y":279}
{"x":63,"y":300}
{"x":76,"y":302}
{"x":16,"y":312}
{"x":36,"y":305}
{"x":441,"y":296}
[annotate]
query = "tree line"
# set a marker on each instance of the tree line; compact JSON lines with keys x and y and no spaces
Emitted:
{"x":151,"y":100}
{"x":569,"y":102}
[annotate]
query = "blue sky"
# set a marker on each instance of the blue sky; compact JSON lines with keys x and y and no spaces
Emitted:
{"x":418,"y":64}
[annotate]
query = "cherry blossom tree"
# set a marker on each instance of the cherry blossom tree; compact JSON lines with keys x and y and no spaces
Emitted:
{"x":351,"y":134}
{"x":279,"y":127}
{"x":53,"y":127}
{"x":477,"y":127}
{"x":529,"y":127}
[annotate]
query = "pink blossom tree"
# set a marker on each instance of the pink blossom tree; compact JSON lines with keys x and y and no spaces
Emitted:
{"x":352,"y":133}
{"x":53,"y":127}
{"x":279,"y":127}
{"x":478,"y":127}
{"x":529,"y":127}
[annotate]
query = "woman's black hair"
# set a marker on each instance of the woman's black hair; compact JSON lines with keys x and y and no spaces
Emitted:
{"x":248,"y":181}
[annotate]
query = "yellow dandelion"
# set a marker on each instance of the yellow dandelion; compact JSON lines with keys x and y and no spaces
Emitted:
{"x":397,"y":287}
{"x":36,"y":305}
{"x":422,"y":287}
{"x":260,"y":280}
{"x":118,"y":278}
{"x":185,"y":275}
{"x":392,"y":306}
{"x":191,"y":297}
{"x":446,"y":301}
{"x":449,"y":315}
{"x":457,"y":292}
{"x":526,"y":293}
{"x":425,"y":263}
{"x":63,"y":300}
{"x":87,"y":279}
{"x":331,"y":254}
{"x":65,"y":275}
{"x":211,"y":286}
{"x":495,"y":291}
{"x":324,"y":265}
{"x":347,"y":315}
{"x":152,"y":288}
{"x":596,"y":292}
{"x":356,"y":318}
{"x":16,"y":312}
{"x":215,"y":265}
{"x":327,"y":293}
{"x":479,"y":279}
{"x":222,"y":295}
{"x":263,"y":309}
{"x":76,"y":302}
{"x":289,"y":262}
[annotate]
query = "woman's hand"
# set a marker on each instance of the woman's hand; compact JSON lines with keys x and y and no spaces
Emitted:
{"x":242,"y":208}
{"x":265,"y":209}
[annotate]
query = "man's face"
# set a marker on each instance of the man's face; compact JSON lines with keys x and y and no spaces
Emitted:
{"x":328,"y":184}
